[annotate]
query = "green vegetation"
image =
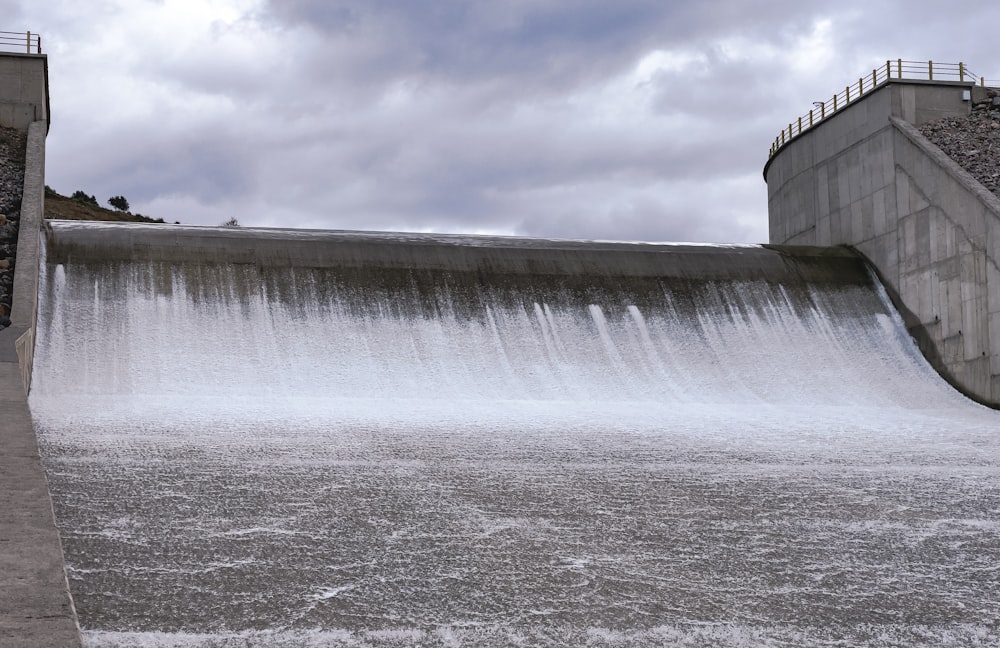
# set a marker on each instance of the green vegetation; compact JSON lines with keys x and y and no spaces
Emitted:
{"x":81,"y":206}
{"x":119,"y":203}
{"x":82,"y":197}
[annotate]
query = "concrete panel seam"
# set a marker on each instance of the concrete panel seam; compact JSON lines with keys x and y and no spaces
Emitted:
{"x":961,"y":228}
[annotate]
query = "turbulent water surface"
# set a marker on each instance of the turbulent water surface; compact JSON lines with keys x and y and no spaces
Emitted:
{"x":244,"y":455}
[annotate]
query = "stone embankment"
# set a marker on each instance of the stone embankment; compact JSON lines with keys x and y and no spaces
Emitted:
{"x":973,"y":142}
{"x":12,"y":145}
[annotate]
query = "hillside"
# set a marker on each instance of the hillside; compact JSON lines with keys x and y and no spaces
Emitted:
{"x":58,"y":206}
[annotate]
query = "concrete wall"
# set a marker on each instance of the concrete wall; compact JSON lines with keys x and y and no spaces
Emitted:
{"x":25,"y":293}
{"x":867,"y":178}
{"x":24,"y":90}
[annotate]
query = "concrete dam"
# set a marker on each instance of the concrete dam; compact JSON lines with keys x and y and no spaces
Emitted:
{"x":259,"y":437}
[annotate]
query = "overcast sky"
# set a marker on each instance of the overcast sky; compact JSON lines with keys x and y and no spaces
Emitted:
{"x":612,"y":119}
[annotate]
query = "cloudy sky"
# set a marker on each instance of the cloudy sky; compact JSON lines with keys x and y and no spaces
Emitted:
{"x":624,"y":119}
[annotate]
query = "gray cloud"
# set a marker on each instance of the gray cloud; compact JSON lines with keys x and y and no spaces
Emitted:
{"x":639,"y":120}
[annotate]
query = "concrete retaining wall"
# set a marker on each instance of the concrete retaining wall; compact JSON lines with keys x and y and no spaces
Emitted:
{"x":867,"y":178}
{"x":24,"y":306}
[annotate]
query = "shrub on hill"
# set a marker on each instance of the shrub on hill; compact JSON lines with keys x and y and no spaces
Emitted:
{"x":80,"y":196}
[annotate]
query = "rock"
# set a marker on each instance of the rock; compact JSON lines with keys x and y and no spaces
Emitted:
{"x":972,"y":142}
{"x":12,"y":147}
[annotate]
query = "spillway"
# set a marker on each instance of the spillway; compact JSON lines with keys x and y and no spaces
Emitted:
{"x":270,"y":438}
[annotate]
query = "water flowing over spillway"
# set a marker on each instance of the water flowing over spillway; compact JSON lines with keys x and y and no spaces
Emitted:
{"x":270,"y":438}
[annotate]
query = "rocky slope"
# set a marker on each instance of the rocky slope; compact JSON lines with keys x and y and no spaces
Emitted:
{"x":12,"y":143}
{"x":973,"y":142}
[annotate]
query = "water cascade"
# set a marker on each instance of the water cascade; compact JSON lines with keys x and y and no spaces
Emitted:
{"x":261,"y":438}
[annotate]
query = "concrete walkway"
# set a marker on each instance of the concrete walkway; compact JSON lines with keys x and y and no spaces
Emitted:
{"x":35,"y":607}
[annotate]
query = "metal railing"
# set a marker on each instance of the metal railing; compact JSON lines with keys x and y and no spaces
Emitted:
{"x":898,"y":69}
{"x":21,"y":41}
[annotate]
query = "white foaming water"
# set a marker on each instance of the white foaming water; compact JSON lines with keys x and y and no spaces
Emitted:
{"x":251,"y":456}
{"x":219,"y":350}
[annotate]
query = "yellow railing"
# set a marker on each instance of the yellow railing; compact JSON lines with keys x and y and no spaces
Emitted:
{"x":898,"y":69}
{"x":23,"y":41}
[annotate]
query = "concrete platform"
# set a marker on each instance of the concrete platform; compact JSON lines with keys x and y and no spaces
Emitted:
{"x":35,"y":607}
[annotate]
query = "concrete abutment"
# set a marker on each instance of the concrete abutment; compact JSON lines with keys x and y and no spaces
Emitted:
{"x":867,"y":178}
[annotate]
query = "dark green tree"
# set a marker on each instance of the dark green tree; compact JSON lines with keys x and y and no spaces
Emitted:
{"x":80,"y":196}
{"x":119,"y":203}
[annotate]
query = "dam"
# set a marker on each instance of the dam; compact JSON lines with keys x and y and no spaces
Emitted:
{"x":270,"y":437}
{"x":249,"y":438}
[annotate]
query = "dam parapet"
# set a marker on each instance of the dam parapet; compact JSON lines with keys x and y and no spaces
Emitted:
{"x":866,"y":177}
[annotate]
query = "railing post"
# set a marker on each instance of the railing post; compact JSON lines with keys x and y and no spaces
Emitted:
{"x":888,"y":69}
{"x":822,"y":110}
{"x":834,"y":103}
{"x":874,"y":80}
{"x":810,"y":119}
{"x":847,"y":95}
{"x":899,"y":68}
{"x":930,"y":70}
{"x":961,"y":71}
{"x":800,"y":125}
{"x":861,"y":87}
{"x":28,"y":42}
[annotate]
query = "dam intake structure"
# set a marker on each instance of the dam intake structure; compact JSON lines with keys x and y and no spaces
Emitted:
{"x":276,"y":437}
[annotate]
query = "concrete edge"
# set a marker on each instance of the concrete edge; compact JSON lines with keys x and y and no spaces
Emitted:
{"x":812,"y":250}
{"x":25,"y":302}
{"x":396,"y":254}
{"x":24,"y":347}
